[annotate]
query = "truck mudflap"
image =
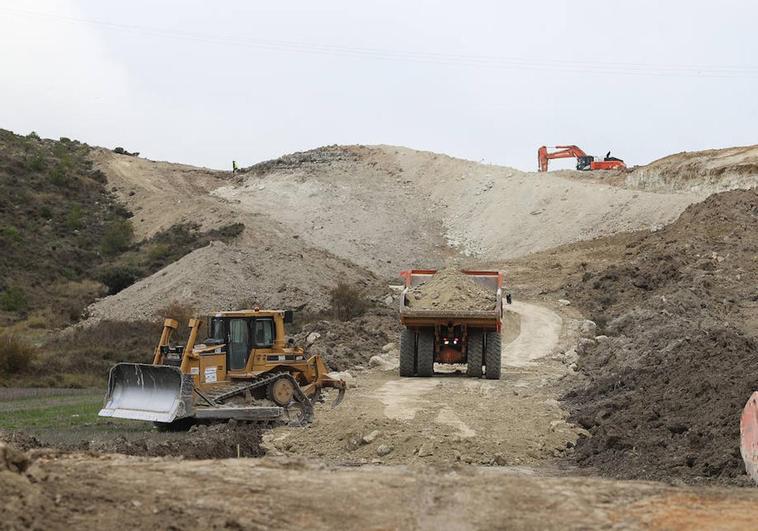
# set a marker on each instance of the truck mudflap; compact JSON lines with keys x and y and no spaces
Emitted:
{"x":157,"y":393}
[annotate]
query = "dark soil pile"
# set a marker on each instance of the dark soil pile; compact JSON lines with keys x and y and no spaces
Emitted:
{"x":345,"y":344}
{"x":450,"y":289}
{"x":214,"y":441}
{"x":665,"y":389}
{"x":211,"y":441}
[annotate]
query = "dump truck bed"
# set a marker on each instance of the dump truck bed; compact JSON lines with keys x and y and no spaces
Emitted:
{"x":491,"y":280}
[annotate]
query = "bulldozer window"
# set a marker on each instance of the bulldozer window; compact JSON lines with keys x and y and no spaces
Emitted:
{"x":217,"y":329}
{"x":263,"y":334}
{"x":238,"y":344}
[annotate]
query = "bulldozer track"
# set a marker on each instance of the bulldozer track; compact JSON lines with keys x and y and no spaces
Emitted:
{"x":227,"y":392}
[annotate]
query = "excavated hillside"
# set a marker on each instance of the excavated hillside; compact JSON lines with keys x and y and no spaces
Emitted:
{"x":352,"y":212}
{"x":267,"y":264}
{"x":386,"y":207}
{"x":712,"y":170}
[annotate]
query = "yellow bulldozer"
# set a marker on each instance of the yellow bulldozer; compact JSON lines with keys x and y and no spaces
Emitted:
{"x":243,"y":370}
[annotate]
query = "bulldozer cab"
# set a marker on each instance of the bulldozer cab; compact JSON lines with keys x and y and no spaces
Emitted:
{"x":242,"y":335}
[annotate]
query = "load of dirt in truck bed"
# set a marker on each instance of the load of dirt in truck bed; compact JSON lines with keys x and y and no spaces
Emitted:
{"x":450,"y":289}
{"x":668,"y":378}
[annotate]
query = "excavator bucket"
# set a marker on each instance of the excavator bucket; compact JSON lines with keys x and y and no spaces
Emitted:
{"x":157,"y":393}
{"x":749,"y":437}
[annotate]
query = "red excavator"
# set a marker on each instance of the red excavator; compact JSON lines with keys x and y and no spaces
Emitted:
{"x":584,"y":162}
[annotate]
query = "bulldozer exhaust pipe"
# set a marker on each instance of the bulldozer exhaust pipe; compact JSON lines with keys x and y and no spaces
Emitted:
{"x":157,"y":393}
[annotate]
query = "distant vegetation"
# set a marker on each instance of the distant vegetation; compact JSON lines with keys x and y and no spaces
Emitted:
{"x":66,"y":239}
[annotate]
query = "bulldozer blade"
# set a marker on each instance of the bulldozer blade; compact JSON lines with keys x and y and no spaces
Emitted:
{"x":157,"y":393}
{"x":749,"y":437}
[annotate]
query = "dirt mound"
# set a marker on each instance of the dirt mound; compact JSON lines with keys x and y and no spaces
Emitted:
{"x":12,"y":459}
{"x":450,"y":289}
{"x":221,"y":277}
{"x":347,"y":344}
{"x":710,"y":170}
{"x":665,"y":387}
{"x":401,"y":207}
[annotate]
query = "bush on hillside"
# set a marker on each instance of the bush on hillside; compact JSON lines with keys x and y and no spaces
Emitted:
{"x":117,"y":238}
{"x":13,"y":299}
{"x":119,"y":278}
{"x":347,"y":301}
{"x":16,"y":355}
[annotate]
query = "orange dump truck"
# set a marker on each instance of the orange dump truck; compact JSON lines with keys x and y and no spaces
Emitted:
{"x":449,"y":336}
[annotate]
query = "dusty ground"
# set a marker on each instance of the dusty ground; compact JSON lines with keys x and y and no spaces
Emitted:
{"x":511,"y":431}
{"x":105,"y":492}
{"x":451,"y":418}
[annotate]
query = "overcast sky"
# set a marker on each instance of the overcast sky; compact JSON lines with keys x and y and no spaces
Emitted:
{"x":205,"y":82}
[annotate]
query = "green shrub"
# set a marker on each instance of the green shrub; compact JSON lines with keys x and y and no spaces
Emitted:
{"x":13,"y":299}
{"x":228,"y":232}
{"x":15,"y":355}
{"x":117,"y":238}
{"x":36,"y":162}
{"x":159,"y":253}
{"x":10,"y":234}
{"x":119,"y":278}
{"x":347,"y":302}
{"x":59,"y":176}
{"x":74,"y":218}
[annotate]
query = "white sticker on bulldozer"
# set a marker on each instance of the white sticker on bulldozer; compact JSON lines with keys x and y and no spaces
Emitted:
{"x":194,"y":370}
{"x":210,"y":375}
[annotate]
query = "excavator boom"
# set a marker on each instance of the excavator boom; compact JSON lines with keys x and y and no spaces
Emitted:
{"x":583,"y":161}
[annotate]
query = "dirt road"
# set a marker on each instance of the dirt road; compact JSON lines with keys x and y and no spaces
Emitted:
{"x":452,"y":418}
{"x":538,"y":337}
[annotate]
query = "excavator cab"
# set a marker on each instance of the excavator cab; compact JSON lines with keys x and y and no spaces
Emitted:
{"x":584,"y":163}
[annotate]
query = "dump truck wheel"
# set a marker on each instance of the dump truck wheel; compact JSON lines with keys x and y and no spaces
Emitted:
{"x":492,"y":356}
{"x":425,"y":357}
{"x":475,"y":347}
{"x":281,"y":391}
{"x":407,"y":352}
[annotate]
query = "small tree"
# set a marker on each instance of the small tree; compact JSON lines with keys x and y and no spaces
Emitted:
{"x":13,"y":299}
{"x":117,"y":238}
{"x":347,"y":302}
{"x":15,"y":355}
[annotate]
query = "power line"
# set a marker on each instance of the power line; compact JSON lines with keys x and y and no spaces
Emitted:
{"x":551,"y":65}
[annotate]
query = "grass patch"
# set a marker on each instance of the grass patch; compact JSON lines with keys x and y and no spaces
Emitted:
{"x":50,"y":413}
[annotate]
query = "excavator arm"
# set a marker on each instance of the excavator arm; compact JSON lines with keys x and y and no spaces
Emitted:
{"x":564,"y":152}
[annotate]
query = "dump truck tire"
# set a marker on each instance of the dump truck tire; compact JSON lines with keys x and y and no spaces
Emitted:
{"x":407,"y":352}
{"x":492,"y":356}
{"x":425,"y":356}
{"x":475,"y":347}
